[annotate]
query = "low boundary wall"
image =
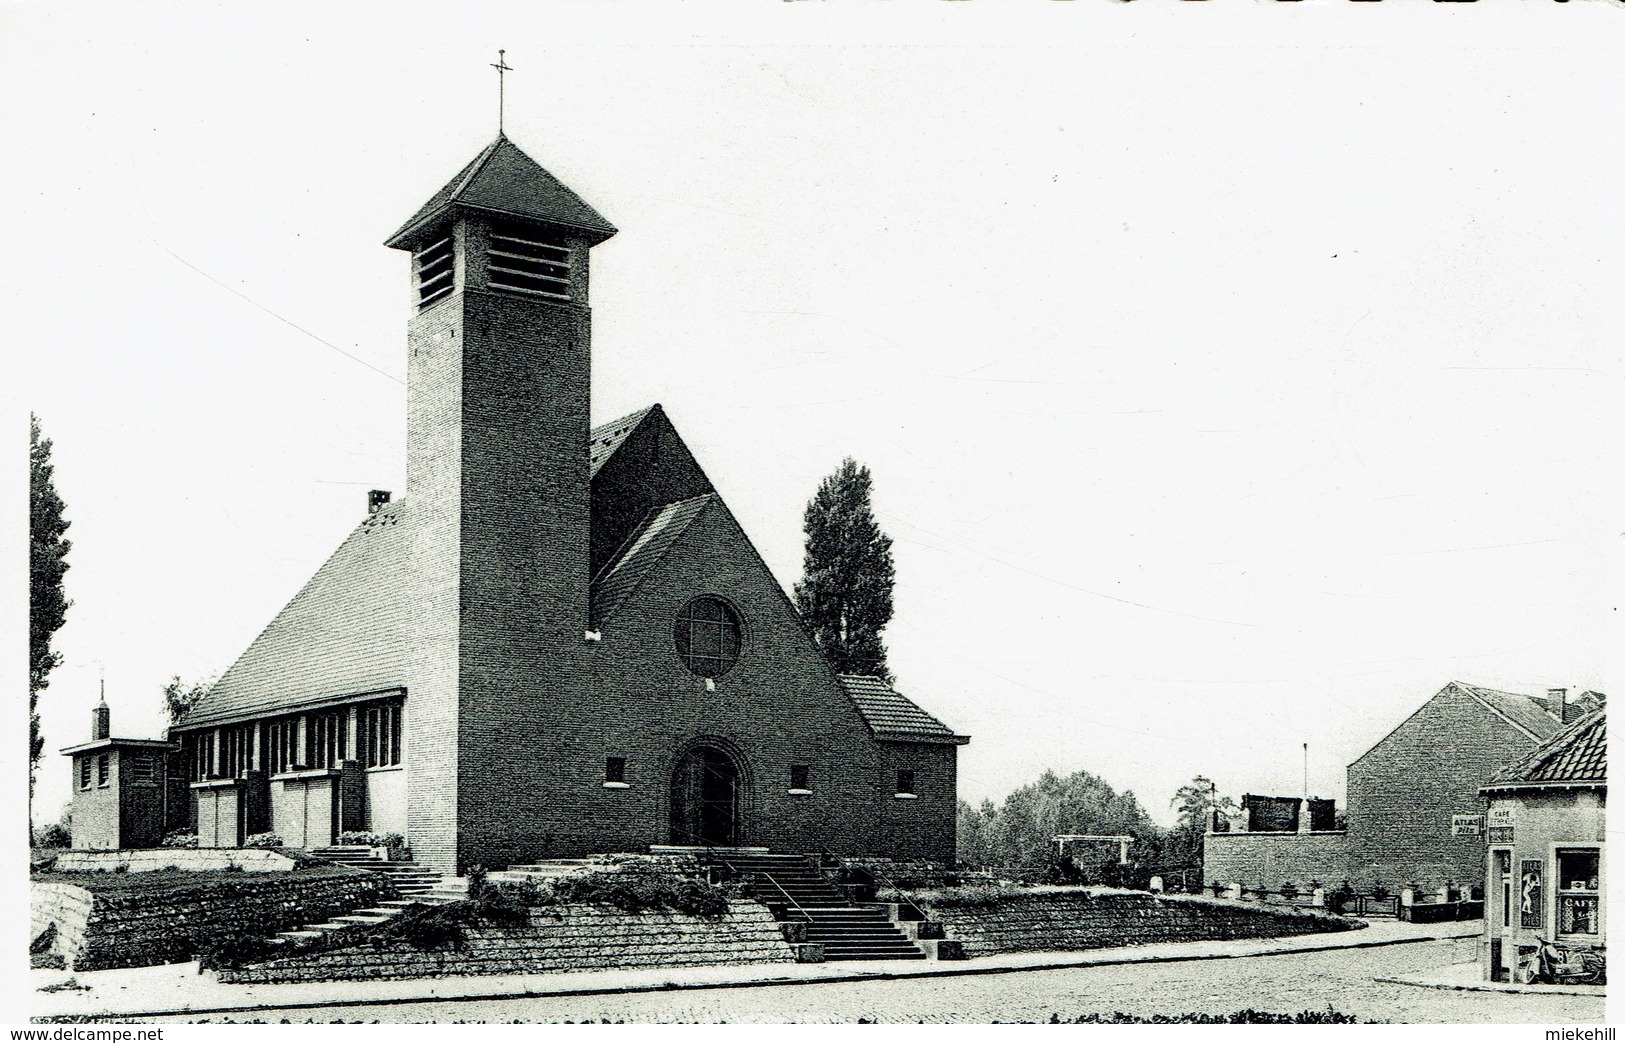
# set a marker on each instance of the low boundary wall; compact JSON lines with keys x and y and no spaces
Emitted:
{"x":1067,"y":919}
{"x":189,"y":859}
{"x":1267,"y":860}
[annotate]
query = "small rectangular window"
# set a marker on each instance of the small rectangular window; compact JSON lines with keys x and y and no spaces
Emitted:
{"x":103,"y":770}
{"x":1578,"y":892}
{"x":614,"y":769}
{"x":325,"y":738}
{"x":84,"y":772}
{"x":280,"y":743}
{"x":380,"y":735}
{"x":799,"y":777}
{"x":905,"y":783}
{"x":143,"y":770}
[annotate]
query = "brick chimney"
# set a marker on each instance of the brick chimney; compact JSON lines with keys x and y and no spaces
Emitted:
{"x":101,"y":721}
{"x":376,"y":500}
{"x":1557,"y":700}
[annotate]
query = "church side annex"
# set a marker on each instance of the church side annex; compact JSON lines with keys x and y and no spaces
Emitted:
{"x":560,"y":641}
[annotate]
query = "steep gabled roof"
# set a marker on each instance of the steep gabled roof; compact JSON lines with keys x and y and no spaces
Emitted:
{"x":1527,"y":712}
{"x":503,"y":180}
{"x":648,"y":544}
{"x":1577,"y":756}
{"x":345,"y":633}
{"x":893,"y":716}
{"x":606,"y":438}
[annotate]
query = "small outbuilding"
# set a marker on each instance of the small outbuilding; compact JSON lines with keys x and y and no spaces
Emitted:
{"x":120,"y":788}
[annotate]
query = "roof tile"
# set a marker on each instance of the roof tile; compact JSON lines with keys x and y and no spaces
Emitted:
{"x":892,"y":715}
{"x":1578,"y":754}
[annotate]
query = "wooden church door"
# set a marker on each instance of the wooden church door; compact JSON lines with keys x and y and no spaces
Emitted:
{"x":705,"y":799}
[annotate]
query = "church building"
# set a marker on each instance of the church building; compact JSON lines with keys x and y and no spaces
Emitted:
{"x":559,"y":641}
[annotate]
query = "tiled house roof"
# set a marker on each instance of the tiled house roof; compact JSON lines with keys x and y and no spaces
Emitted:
{"x":1525,"y":711}
{"x":606,"y":438}
{"x":642,"y":550}
{"x":892,"y":715}
{"x":503,"y":180}
{"x":1576,"y":757}
{"x":345,"y":632}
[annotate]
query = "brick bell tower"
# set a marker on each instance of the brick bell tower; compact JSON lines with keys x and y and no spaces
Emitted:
{"x":497,"y":498}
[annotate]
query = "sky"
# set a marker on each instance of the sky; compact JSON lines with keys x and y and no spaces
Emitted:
{"x":1232,"y":377}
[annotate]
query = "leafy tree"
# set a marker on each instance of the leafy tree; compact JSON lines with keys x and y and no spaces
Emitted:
{"x":845,"y":595}
{"x":180,"y":698}
{"x":1197,"y":802}
{"x":47,"y":562}
{"x":1021,"y":831}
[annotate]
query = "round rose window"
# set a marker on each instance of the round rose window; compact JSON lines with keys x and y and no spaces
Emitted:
{"x":708,"y":636}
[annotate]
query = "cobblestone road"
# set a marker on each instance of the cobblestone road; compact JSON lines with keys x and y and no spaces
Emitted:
{"x":1281,"y":984}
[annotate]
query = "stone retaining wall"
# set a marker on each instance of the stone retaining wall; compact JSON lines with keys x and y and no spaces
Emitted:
{"x":1064,"y":919}
{"x":190,"y":859}
{"x":559,"y":938}
{"x":138,"y":927}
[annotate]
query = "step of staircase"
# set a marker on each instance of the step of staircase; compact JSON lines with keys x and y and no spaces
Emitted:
{"x":794,"y":887}
{"x":415,"y":885}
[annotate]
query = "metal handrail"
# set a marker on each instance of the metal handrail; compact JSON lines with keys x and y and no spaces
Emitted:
{"x":805,"y":915}
{"x":714,"y":855}
{"x":880,"y":875}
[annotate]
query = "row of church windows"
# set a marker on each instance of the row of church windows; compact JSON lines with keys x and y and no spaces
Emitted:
{"x":317,"y":739}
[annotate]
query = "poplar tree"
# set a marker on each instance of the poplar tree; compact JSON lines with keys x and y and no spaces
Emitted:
{"x":47,"y":561}
{"x":845,"y":594}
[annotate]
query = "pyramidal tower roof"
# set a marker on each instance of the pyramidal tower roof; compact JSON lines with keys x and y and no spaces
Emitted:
{"x":503,"y":180}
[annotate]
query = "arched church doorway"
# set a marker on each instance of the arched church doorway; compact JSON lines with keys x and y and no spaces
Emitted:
{"x":707,"y":793}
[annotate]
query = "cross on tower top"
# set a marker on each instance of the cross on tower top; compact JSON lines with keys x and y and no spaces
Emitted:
{"x":502,"y":67}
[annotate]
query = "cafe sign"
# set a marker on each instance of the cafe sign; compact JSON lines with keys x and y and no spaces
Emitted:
{"x":1499,"y":824}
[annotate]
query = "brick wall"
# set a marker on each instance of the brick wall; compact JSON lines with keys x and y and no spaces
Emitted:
{"x":778,"y":706}
{"x":559,"y":938}
{"x":95,"y":810}
{"x":1056,"y":920}
{"x":1402,"y":793}
{"x":1266,"y":860}
{"x":97,"y":929}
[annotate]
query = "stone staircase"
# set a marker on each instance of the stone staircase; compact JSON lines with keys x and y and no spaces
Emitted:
{"x":414,"y":884}
{"x":798,"y":892}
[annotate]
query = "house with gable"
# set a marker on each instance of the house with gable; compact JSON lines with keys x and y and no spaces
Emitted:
{"x":1414,"y":814}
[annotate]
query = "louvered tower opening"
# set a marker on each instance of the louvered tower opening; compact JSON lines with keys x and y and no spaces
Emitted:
{"x":433,"y":267}
{"x":526,"y":261}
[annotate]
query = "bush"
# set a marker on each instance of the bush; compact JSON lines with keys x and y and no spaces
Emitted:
{"x":265,"y":840}
{"x":54,"y":835}
{"x":975,"y":896}
{"x":355,"y":836}
{"x":179,"y":838}
{"x":638,"y":892}
{"x":502,"y":907}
